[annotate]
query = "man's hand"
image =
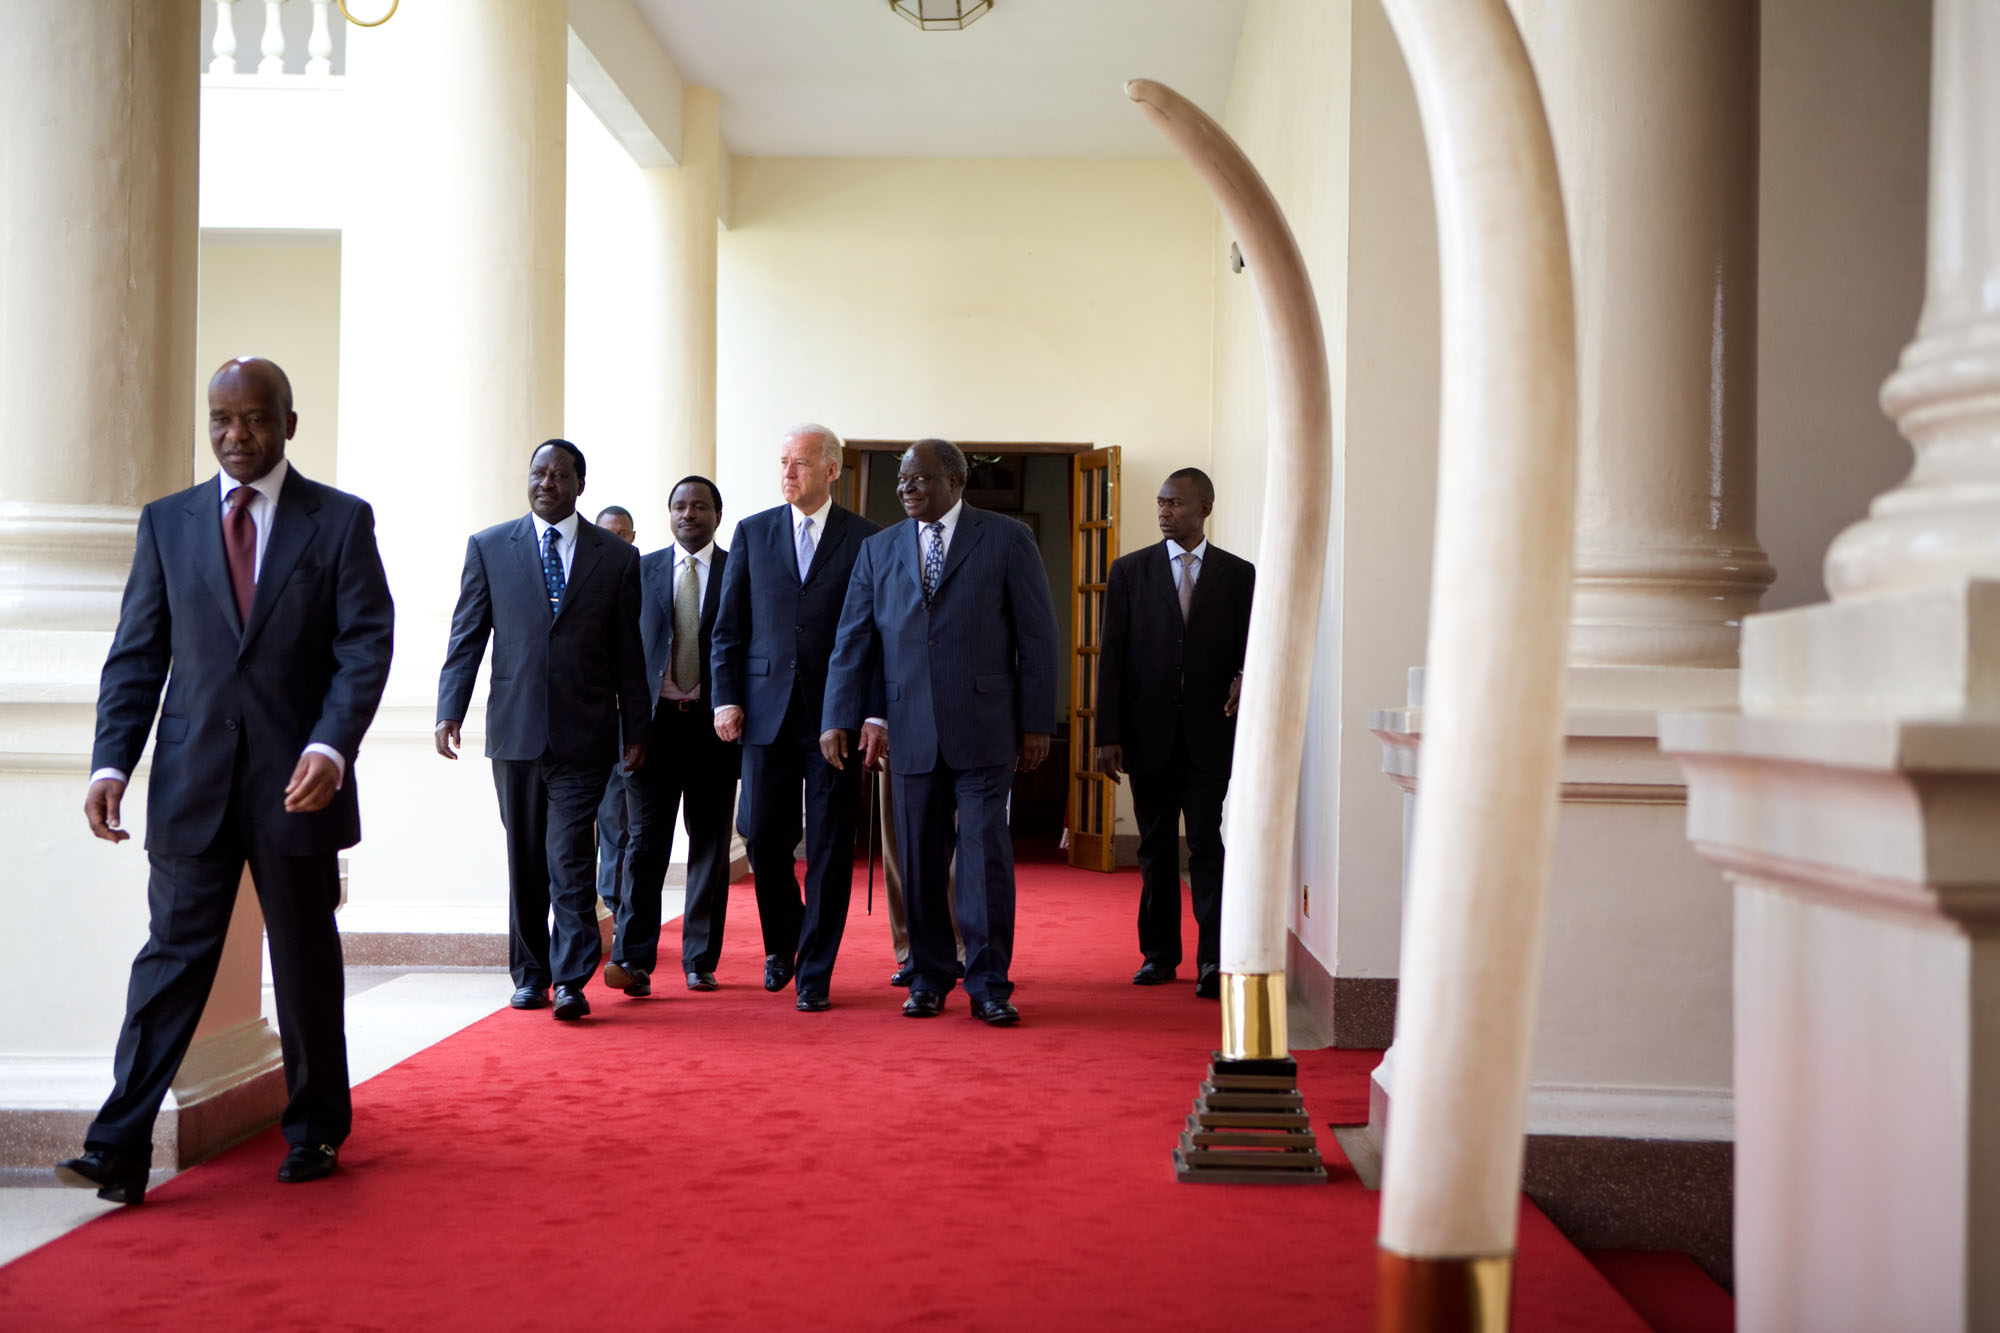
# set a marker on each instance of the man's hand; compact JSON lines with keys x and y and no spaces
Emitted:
{"x":1034,"y":749}
{"x":1111,"y":760}
{"x":874,"y":746}
{"x":635,"y":758}
{"x":315,"y":779}
{"x":833,"y":744}
{"x":100,"y":807}
{"x":446,"y":736}
{"x":1235,"y":696}
{"x":729,"y":722}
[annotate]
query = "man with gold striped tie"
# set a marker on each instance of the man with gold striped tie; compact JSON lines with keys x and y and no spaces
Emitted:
{"x":680,"y":589}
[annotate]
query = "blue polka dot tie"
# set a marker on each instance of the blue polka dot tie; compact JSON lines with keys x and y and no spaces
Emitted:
{"x":552,"y":569}
{"x":933,"y":561}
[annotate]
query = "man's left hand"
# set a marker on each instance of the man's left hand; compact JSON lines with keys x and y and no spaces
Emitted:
{"x":1235,"y":696}
{"x":874,"y":746}
{"x":635,"y":757}
{"x":314,"y":781}
{"x":1034,"y":749}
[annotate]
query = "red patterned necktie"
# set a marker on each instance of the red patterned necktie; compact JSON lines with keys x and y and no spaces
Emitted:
{"x":239,"y":543}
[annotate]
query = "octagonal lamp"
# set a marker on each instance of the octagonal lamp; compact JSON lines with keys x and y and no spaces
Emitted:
{"x":941,"y":15}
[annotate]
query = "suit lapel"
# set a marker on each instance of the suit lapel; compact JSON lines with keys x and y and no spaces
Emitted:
{"x":204,"y":520}
{"x":530,"y":559}
{"x":971,"y":527}
{"x":589,"y":550}
{"x":291,"y":532}
{"x":906,"y":546}
{"x":835,"y":533}
{"x":711,"y":600}
{"x":1160,"y":573}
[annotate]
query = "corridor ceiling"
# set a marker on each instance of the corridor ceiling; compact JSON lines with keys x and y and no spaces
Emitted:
{"x":1033,"y":78}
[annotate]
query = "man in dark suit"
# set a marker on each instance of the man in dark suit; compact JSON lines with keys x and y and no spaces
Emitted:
{"x":692,"y":766}
{"x":259,"y":602}
{"x":1169,"y":673}
{"x":781,"y":597}
{"x":949,"y":615}
{"x":560,"y":599}
{"x":616,"y":520}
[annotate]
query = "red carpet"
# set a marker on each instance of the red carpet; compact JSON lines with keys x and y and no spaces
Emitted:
{"x":722,"y":1162}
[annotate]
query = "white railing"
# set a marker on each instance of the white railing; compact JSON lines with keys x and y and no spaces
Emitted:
{"x":223,"y":43}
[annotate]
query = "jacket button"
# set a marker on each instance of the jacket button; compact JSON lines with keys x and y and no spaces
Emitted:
{"x":231,"y":724}
{"x":930,"y":643}
{"x":791,"y":666}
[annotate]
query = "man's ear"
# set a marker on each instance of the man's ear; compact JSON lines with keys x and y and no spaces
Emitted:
{"x":291,"y":424}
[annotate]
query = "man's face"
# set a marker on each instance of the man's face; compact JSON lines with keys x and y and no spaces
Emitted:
{"x":1182,"y":512}
{"x":553,"y":484}
{"x":927,"y":491}
{"x":805,"y":476}
{"x":617,"y":525}
{"x":247,"y":423}
{"x":691,"y":510}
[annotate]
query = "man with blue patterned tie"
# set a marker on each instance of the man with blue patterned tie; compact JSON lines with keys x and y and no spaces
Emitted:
{"x":560,"y":599}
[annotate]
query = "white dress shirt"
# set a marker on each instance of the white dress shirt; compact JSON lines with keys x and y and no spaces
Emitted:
{"x":263,"y":508}
{"x":565,"y":545}
{"x":703,"y":561}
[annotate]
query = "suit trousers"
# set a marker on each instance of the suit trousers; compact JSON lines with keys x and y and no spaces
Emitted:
{"x":692,"y":770}
{"x":805,"y":934}
{"x":611,"y":838}
{"x":549,"y":810}
{"x":190,"y":899}
{"x":892,"y":875}
{"x":1161,"y":798}
{"x":981,"y":898}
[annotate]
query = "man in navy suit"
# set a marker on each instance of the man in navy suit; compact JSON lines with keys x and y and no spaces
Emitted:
{"x":259,"y":602}
{"x":681,"y":588}
{"x":1169,"y":673}
{"x":949,"y":615}
{"x":560,"y":599}
{"x":781,"y":603}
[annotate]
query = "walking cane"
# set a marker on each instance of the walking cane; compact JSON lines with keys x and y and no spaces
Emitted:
{"x":869,"y":777}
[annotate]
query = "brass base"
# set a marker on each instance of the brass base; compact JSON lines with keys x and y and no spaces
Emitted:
{"x":1253,"y":1016}
{"x":1249,"y":1127}
{"x":1442,"y":1295}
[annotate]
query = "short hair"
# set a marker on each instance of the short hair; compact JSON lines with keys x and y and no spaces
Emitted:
{"x":616,"y":511}
{"x":713,"y":489}
{"x":949,"y":454}
{"x":264,"y":363}
{"x":1202,"y":485}
{"x":575,"y":454}
{"x":829,"y":445}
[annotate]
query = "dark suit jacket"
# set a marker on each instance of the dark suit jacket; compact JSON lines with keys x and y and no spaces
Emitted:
{"x":773,"y":631}
{"x":965,"y":677}
{"x":1153,"y":673}
{"x":561,"y":685}
{"x":656,"y":625}
{"x":308,"y":668}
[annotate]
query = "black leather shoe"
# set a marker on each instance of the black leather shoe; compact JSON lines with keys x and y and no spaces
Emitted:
{"x":634,"y":981}
{"x":904,"y":975}
{"x":995,"y":1013}
{"x":1208,"y":982}
{"x":308,"y":1161}
{"x":958,"y":969}
{"x":776,"y":972}
{"x":809,"y":1003}
{"x":1152,"y":974}
{"x":116,"y":1178}
{"x":530,"y":997}
{"x":923,"y":1004}
{"x":701,"y":981}
{"x":570,"y":1004}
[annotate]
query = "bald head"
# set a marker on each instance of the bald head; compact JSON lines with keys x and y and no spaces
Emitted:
{"x":249,"y":417}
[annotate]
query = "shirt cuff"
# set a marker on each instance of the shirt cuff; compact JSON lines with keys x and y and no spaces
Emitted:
{"x":339,"y":762}
{"x":881,"y":722}
{"x":115,"y":774}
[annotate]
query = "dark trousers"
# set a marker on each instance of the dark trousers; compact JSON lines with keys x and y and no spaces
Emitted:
{"x":806,"y":934}
{"x":550,"y":811}
{"x":982,"y":898}
{"x":695,"y":770}
{"x":611,"y":838}
{"x":1161,"y":798}
{"x":190,"y":899}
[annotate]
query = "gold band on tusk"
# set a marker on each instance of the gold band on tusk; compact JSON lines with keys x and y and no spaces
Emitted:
{"x":1414,"y":1294}
{"x":1253,"y":1016}
{"x":359,"y":23}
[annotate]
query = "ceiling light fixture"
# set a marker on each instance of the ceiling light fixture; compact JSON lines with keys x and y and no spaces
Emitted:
{"x":941,"y":15}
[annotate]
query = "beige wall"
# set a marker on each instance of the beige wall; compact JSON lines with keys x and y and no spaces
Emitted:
{"x":282,"y":302}
{"x":1841,"y":266}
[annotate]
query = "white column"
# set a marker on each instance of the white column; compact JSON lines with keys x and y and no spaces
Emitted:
{"x":451,"y":371}
{"x":99,"y":104}
{"x":682,"y":394}
{"x":1855,"y":803}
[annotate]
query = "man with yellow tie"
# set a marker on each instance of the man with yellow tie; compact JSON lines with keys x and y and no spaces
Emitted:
{"x":680,"y":589}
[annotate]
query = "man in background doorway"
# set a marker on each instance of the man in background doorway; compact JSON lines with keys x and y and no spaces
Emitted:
{"x":616,"y":520}
{"x":1169,"y":675}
